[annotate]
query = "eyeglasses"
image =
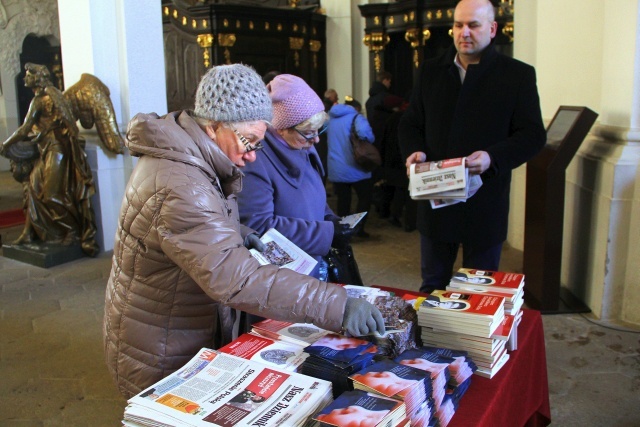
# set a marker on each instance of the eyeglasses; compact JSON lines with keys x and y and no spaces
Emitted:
{"x":247,"y":145}
{"x":309,"y":137}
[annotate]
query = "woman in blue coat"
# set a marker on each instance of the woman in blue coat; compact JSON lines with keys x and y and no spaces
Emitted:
{"x":344,"y":173}
{"x":283,"y":188}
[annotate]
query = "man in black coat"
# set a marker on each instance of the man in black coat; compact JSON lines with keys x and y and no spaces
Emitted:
{"x":476,"y":103}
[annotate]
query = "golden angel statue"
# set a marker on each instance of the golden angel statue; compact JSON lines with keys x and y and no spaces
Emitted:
{"x":47,"y":156}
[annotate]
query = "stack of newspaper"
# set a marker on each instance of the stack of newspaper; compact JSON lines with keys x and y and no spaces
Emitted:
{"x":444,"y":182}
{"x":280,"y":354}
{"x":402,"y":382}
{"x":219,"y":389}
{"x":470,"y":322}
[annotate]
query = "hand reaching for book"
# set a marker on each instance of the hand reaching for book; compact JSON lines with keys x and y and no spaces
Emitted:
{"x":361,"y":318}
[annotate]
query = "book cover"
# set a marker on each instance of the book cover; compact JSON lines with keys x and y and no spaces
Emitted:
{"x":390,"y":379}
{"x":339,"y":348}
{"x":363,"y":409}
{"x":469,"y":278}
{"x":461,"y":304}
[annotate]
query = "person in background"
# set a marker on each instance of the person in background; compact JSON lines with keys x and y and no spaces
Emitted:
{"x":377,"y":114}
{"x":344,"y":173}
{"x":267,"y":77}
{"x":379,"y":89}
{"x":395,"y":172}
{"x":283,"y":189}
{"x":476,"y":103}
{"x":384,"y":189}
{"x":330,"y":99}
{"x":181,"y":268}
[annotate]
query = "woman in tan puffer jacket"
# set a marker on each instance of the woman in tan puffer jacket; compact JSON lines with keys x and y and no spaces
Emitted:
{"x":180,"y":268}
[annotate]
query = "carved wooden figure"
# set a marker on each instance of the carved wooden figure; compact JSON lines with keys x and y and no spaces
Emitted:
{"x":47,"y":156}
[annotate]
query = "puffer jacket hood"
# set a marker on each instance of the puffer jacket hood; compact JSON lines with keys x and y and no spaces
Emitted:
{"x":177,"y":137}
{"x":180,"y":272}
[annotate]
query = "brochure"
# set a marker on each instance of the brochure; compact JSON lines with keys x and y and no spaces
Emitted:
{"x":284,"y":253}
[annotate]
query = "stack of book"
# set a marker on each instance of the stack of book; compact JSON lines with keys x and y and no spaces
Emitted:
{"x":334,"y":357}
{"x":436,"y":366}
{"x":281,"y":354}
{"x":510,"y":286}
{"x":450,"y":376}
{"x":214,"y":388}
{"x":467,"y":322}
{"x":460,"y":369}
{"x":360,"y":408}
{"x":411,"y":385}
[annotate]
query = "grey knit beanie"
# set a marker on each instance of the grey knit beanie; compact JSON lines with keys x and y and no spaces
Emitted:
{"x":233,"y":93}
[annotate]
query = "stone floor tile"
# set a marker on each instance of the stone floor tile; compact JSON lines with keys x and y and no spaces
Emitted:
{"x":39,"y":399}
{"x":11,"y":275}
{"x":12,"y":328}
{"x":89,"y":412}
{"x":34,"y":347}
{"x":592,"y":402}
{"x":78,"y":322}
{"x":10,"y":298}
{"x":92,"y":298}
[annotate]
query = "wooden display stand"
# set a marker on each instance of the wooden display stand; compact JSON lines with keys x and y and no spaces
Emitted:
{"x":544,"y":212}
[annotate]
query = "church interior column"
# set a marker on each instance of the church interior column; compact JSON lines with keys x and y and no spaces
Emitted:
{"x":120,"y":42}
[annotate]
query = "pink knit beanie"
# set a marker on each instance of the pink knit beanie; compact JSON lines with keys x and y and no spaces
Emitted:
{"x":293,"y":101}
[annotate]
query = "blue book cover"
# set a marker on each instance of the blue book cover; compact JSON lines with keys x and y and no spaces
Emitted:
{"x":390,"y":378}
{"x":360,"y":407}
{"x":339,"y":348}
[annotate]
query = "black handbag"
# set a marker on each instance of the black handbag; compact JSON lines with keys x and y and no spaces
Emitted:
{"x":365,"y":154}
{"x":342,"y":267}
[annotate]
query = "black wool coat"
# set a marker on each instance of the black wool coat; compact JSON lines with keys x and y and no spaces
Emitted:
{"x":496,"y":110}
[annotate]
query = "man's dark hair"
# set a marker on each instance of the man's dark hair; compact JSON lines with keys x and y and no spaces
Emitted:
{"x":269,"y":76}
{"x":383,"y":75}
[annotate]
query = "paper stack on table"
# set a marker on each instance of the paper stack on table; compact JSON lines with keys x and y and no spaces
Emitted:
{"x":214,"y":388}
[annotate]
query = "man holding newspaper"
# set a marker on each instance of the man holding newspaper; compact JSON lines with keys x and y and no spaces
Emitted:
{"x":473,"y":103}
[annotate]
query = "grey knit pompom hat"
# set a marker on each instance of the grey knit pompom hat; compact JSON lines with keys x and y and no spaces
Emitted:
{"x":233,"y":93}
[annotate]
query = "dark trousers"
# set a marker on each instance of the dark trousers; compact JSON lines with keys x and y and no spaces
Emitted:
{"x":343,"y":193}
{"x":438,"y":259}
{"x":404,"y":207}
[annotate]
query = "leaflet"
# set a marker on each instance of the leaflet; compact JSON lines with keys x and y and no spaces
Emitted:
{"x":284,"y":253}
{"x":353,"y":219}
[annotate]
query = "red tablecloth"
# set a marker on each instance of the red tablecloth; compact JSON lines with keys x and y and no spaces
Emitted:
{"x":518,"y":395}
